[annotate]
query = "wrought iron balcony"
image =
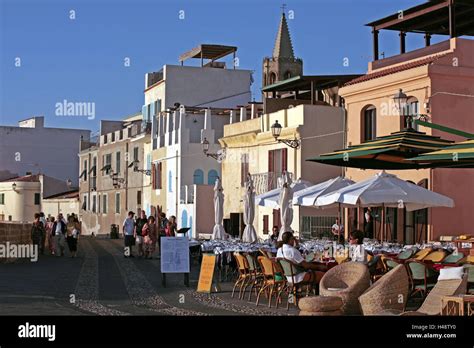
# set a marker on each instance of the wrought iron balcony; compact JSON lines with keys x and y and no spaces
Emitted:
{"x":264,"y":182}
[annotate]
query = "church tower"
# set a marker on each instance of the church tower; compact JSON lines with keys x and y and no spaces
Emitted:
{"x":282,"y":64}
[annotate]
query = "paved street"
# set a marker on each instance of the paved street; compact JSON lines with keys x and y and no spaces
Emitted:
{"x":100,"y":281}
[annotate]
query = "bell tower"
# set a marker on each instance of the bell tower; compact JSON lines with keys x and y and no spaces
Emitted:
{"x":282,"y":64}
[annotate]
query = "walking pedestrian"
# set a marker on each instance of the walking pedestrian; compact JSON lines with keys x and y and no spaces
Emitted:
{"x":43,"y":236}
{"x":128,"y":229}
{"x":50,"y":235}
{"x":162,"y":229}
{"x":37,"y":231}
{"x":72,"y":231}
{"x":59,"y":230}
{"x":140,"y":222}
{"x":150,"y":234}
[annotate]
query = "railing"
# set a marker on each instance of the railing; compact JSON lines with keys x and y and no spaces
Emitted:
{"x":264,"y":182}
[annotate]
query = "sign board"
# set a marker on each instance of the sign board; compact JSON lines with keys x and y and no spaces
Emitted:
{"x":174,"y":255}
{"x":207,"y":273}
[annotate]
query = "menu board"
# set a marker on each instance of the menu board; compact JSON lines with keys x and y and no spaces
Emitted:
{"x":174,"y":255}
{"x":207,"y":273}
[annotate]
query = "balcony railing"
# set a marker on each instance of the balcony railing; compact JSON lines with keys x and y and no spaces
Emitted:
{"x":264,"y":182}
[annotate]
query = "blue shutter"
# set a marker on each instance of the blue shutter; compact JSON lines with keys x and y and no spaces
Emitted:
{"x":212,"y":177}
{"x":152,"y":111}
{"x":170,"y":181}
{"x":198,"y":177}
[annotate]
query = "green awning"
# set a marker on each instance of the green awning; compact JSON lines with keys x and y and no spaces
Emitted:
{"x":386,"y":152}
{"x":458,"y":155}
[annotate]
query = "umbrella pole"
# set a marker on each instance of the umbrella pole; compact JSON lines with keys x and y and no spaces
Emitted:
{"x":339,"y":229}
{"x":383,"y":223}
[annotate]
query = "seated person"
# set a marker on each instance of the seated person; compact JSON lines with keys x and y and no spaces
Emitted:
{"x":338,"y":232}
{"x":274,"y":235}
{"x":357,"y":252}
{"x":306,"y":271}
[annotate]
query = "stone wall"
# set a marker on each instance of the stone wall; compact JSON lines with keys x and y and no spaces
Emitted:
{"x":15,"y":233}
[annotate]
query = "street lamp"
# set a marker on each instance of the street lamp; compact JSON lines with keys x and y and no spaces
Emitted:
{"x":219,"y":156}
{"x":276,"y":132}
{"x":69,"y":183}
{"x":14,"y":186}
{"x":400,"y":99}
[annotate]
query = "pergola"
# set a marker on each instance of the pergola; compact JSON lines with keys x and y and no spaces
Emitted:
{"x":207,"y":51}
{"x":436,"y":17}
{"x":306,"y":83}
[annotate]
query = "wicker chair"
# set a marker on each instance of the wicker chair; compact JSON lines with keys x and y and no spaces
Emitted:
{"x":432,"y":304}
{"x":390,"y":292}
{"x":348,"y":281}
{"x":257,"y":277}
{"x":245,"y":277}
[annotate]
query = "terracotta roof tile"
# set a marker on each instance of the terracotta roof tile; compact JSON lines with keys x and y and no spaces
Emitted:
{"x":395,"y":69}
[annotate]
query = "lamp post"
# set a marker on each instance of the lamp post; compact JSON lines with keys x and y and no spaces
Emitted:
{"x":134,"y":164}
{"x":276,"y":132}
{"x":400,"y":100}
{"x":14,"y":187}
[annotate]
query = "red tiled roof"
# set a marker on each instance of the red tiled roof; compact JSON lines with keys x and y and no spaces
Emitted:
{"x":393,"y":70}
{"x":26,"y":178}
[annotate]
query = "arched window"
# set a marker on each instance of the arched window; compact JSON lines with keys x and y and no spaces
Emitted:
{"x":368,"y":123}
{"x":411,"y":112}
{"x":287,"y":75}
{"x":273,"y":78}
{"x":212,"y":176}
{"x":198,"y":177}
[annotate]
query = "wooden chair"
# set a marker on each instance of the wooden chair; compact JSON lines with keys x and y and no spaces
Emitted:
{"x":290,"y":269}
{"x":422,"y":277}
{"x":271,"y":286}
{"x":244,"y":275}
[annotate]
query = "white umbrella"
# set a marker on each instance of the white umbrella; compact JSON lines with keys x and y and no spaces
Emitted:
{"x":286,"y":206}
{"x":249,"y":235}
{"x":388,"y":190}
{"x":218,"y":232}
{"x":385,"y":190}
{"x":271,"y":199}
{"x":309,"y":195}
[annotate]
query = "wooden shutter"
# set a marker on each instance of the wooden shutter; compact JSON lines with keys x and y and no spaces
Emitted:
{"x":270,"y":161}
{"x":153,"y":176}
{"x":284,"y":159}
{"x":276,"y":218}
{"x":265,"y":224}
{"x":160,"y":174}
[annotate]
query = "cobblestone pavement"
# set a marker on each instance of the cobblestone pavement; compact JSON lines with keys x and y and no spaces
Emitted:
{"x":100,"y":281}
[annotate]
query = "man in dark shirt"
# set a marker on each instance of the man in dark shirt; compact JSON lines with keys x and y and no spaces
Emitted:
{"x":139,"y":223}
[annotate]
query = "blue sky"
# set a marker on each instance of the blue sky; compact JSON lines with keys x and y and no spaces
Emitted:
{"x":83,"y":59}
